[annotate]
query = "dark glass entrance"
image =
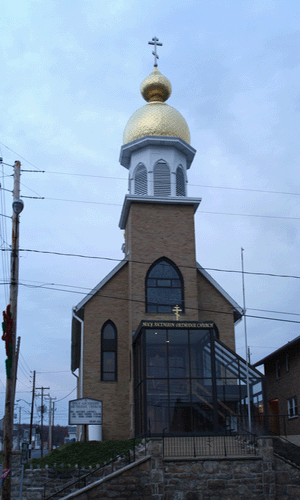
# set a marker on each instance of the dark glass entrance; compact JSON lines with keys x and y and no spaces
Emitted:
{"x":186,"y":380}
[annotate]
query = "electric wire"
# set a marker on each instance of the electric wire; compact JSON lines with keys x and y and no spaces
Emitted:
{"x":191,"y":185}
{"x":88,"y":288}
{"x":21,"y":355}
{"x":68,"y":254}
{"x":101,"y":296}
{"x":272,"y":311}
{"x":199,"y":211}
{"x":66,"y":395}
{"x":22,"y":157}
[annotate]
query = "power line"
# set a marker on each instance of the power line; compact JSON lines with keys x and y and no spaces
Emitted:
{"x":25,"y":362}
{"x":270,"y":311}
{"x":65,"y":254}
{"x":190,"y":185}
{"x":199,"y":211}
{"x":187,"y":308}
{"x":66,"y":395}
{"x":143,"y":301}
{"x":61,"y":371}
{"x":77,"y":288}
{"x":27,"y":161}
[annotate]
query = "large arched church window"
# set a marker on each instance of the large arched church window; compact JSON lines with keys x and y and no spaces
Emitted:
{"x":180,"y":183}
{"x":109,"y":352}
{"x":140,"y":180}
{"x":162,"y":179}
{"x":164,"y":287}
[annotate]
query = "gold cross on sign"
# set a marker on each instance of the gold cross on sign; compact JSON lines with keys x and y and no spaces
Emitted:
{"x":176,"y":310}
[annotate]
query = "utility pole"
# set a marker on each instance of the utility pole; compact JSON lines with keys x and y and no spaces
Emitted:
{"x":31,"y":415}
{"x":51,"y":423}
{"x":11,"y":314}
{"x":52,"y":433}
{"x":19,"y":428}
{"x":42,"y":415}
{"x":50,"y":426}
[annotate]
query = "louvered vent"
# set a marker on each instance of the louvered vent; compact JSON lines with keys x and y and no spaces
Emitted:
{"x":180,"y":183}
{"x":140,"y":181}
{"x":162,"y":182}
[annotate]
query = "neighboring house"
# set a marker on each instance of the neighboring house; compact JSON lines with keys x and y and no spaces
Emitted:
{"x":155,"y":340}
{"x":282,"y":377}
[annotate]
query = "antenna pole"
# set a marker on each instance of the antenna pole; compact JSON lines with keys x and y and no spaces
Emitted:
{"x":246,"y":343}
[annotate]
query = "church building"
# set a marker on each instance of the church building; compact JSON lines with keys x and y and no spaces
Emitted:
{"x":154,"y":340}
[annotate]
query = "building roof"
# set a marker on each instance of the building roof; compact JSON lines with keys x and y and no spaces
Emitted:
{"x":238,"y":311}
{"x":280,"y":350}
{"x":156,"y":118}
{"x":98,"y":287}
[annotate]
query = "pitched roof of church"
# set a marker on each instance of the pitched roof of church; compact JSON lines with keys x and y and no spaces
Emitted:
{"x":238,"y":311}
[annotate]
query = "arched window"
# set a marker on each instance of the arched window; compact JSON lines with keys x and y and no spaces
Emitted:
{"x":180,"y":183}
{"x":140,"y":180}
{"x":109,"y":352}
{"x":162,"y":181}
{"x":164,"y":287}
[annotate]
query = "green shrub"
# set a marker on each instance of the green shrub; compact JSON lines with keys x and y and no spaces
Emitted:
{"x":86,"y":454}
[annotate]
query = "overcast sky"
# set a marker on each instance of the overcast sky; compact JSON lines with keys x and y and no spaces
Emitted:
{"x":70,"y":77}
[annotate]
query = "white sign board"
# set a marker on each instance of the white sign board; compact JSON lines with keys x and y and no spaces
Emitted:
{"x":85,"y":411}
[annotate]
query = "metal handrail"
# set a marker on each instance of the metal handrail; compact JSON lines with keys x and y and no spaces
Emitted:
{"x":85,"y":476}
{"x":111,"y":462}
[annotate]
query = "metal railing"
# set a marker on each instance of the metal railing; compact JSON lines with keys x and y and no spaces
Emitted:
{"x":229,"y":442}
{"x":194,"y":446}
{"x":84,"y":478}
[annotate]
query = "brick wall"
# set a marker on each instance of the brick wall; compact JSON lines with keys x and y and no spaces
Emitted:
{"x":284,"y":387}
{"x":152,"y":231}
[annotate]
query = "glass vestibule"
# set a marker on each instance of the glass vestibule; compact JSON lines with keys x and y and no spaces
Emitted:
{"x":186,"y":380}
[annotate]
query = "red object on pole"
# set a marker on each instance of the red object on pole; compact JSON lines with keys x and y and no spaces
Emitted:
{"x":7,"y":327}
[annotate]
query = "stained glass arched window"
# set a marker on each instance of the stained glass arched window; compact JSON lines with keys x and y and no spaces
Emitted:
{"x":164,"y":287}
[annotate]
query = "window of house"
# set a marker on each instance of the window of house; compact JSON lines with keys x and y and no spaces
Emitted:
{"x":292,"y":407}
{"x":140,"y":180}
{"x":164,"y":287}
{"x":180,"y":183}
{"x":109,"y":352}
{"x":287,"y":363}
{"x":162,"y":179}
{"x":277,"y":369}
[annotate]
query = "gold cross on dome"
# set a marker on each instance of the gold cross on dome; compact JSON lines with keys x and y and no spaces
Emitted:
{"x":176,"y":310}
{"x":155,"y":43}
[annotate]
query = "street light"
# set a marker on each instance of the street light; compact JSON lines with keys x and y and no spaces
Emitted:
{"x":18,"y":206}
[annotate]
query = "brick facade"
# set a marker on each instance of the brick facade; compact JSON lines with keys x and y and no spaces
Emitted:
{"x":282,"y":375}
{"x":152,"y":231}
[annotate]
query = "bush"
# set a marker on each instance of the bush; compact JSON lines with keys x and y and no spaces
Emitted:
{"x":86,"y":454}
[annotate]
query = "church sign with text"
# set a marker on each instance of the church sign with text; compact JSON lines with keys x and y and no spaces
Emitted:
{"x":85,"y":411}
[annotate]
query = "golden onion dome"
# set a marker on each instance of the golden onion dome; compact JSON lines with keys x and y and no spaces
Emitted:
{"x":156,"y":118}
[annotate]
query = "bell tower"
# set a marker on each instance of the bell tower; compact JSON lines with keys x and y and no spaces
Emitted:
{"x":157,"y":214}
